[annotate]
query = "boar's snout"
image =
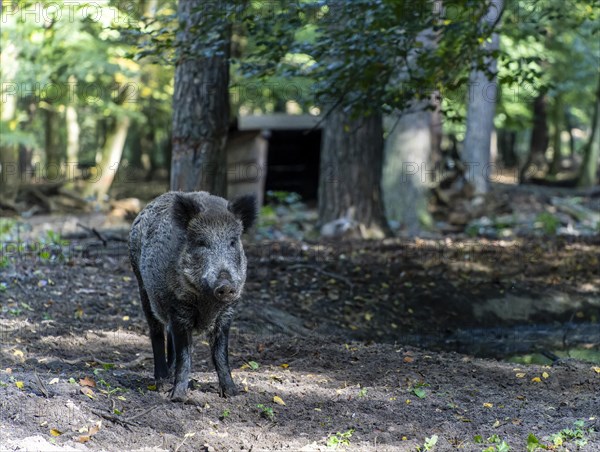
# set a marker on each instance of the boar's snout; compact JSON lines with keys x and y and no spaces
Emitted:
{"x":225,"y":291}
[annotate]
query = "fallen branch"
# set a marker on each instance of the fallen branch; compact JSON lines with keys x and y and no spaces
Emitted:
{"x":114,"y":419}
{"x":130,"y":364}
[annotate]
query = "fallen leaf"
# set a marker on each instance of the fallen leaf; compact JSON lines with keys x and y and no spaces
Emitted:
{"x":278,"y":400}
{"x":520,"y":375}
{"x":151,"y":387}
{"x":408,"y":359}
{"x":53,"y":381}
{"x":95,"y":429}
{"x":496,"y":424}
{"x":19,"y":384}
{"x":488,"y":405}
{"x":545,"y":375}
{"x":55,"y":432}
{"x":596,"y":369}
{"x":87,"y":381}
{"x":536,"y":380}
{"x":284,"y":365}
{"x":82,"y":439}
{"x":88,"y":392}
{"x":18,"y":353}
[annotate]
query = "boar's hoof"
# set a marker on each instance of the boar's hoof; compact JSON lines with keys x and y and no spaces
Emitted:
{"x":228,"y":391}
{"x":179,"y":394}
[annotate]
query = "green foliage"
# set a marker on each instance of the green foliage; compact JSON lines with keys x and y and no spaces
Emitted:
{"x":368,"y":54}
{"x":578,"y":435}
{"x":340,"y":439}
{"x":429,"y":444}
{"x":549,"y":222}
{"x":266,"y":411}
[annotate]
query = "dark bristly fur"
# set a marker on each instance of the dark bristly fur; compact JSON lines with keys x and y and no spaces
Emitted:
{"x":187,"y":255}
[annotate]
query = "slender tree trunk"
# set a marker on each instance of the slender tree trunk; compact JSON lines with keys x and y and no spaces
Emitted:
{"x":506,"y":147}
{"x":73,"y":131}
{"x":52,"y":143}
{"x":9,"y":152}
{"x":111,"y":157}
{"x":350,"y":174}
{"x":588,"y":173}
{"x":557,"y":119}
{"x":201,"y":100}
{"x":569,"y":125}
{"x":539,"y":139}
{"x":481,"y":111}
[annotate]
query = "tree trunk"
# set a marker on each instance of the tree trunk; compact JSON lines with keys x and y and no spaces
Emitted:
{"x":350,"y":173}
{"x":201,"y":100}
{"x":539,"y":139}
{"x":9,"y":152}
{"x":73,"y":131}
{"x":111,"y":157}
{"x":407,"y":169}
{"x":506,"y":146}
{"x":52,"y":143}
{"x":481,"y":110}
{"x":557,"y":119}
{"x":589,"y":167}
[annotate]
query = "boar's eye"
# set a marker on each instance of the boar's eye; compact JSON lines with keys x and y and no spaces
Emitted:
{"x":201,"y":243}
{"x":233,"y":243}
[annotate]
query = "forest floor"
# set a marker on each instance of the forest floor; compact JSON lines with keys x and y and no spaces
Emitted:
{"x":367,"y":346}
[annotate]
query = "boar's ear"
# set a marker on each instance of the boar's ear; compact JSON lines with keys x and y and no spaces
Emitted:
{"x":244,"y":208}
{"x":184,"y":209}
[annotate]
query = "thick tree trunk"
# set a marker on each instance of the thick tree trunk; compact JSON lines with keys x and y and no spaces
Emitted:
{"x":588,"y":173}
{"x":539,"y":139}
{"x":407,"y":169}
{"x":350,"y":174}
{"x":481,"y":111}
{"x":201,"y":100}
{"x":111,"y":157}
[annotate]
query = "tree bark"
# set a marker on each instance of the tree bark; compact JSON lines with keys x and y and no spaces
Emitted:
{"x":201,"y":100}
{"x":350,"y":173}
{"x":588,"y":173}
{"x":481,"y":110}
{"x":407,"y":167}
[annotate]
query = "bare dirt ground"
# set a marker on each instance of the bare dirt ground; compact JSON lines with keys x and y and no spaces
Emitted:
{"x":319,"y":349}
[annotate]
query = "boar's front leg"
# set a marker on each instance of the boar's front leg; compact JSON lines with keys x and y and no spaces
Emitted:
{"x":219,"y":347}
{"x":157,"y":337}
{"x":182,"y":343}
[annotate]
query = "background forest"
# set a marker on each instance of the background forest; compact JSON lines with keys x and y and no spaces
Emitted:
{"x":474,"y":91}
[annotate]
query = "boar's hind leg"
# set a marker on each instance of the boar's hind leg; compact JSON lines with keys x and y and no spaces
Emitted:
{"x":219,"y":346}
{"x":157,"y":336}
{"x":182,"y":341}
{"x":170,"y":351}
